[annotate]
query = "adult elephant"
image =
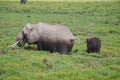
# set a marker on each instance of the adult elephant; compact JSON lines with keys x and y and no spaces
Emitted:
{"x":47,"y":37}
{"x":23,"y":1}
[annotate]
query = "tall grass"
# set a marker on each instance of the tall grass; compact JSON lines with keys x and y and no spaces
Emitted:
{"x":85,"y":19}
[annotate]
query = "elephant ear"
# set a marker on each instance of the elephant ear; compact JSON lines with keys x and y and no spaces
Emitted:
{"x":33,"y":36}
{"x":29,"y":26}
{"x":27,"y":29}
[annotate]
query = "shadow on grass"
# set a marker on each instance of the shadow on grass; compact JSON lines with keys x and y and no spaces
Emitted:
{"x":95,"y":55}
{"x":33,"y":48}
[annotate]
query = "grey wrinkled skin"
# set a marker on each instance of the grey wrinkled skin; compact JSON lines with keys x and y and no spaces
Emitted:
{"x":93,"y":45}
{"x":23,"y":1}
{"x":52,"y":38}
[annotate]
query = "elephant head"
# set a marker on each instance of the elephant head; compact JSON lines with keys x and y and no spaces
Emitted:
{"x":21,"y":38}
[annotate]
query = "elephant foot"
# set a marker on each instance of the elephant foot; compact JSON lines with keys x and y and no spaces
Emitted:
{"x":62,"y":49}
{"x":39,"y":46}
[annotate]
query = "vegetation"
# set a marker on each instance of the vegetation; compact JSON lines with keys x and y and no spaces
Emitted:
{"x":85,"y":19}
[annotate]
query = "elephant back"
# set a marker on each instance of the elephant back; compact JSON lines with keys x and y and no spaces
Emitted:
{"x":64,"y":34}
{"x":64,"y":31}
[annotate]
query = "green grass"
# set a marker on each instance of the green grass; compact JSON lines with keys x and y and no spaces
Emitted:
{"x":85,"y":19}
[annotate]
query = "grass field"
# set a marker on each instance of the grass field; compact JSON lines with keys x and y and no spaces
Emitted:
{"x":84,"y":19}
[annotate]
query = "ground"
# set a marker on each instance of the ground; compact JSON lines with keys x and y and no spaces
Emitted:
{"x":97,"y":18}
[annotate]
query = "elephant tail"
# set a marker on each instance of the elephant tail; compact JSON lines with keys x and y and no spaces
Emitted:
{"x":75,"y":38}
{"x":72,"y":40}
{"x":78,"y":40}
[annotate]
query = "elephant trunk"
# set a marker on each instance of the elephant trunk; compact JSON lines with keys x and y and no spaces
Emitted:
{"x":21,"y":43}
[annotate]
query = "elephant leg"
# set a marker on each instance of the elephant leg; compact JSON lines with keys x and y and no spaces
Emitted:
{"x":69,"y":47}
{"x":48,"y":47}
{"x":62,"y":49}
{"x":39,"y":46}
{"x":98,"y":50}
{"x":88,"y":50}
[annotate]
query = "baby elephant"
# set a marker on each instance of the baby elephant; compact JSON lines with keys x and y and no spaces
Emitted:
{"x":93,"y":45}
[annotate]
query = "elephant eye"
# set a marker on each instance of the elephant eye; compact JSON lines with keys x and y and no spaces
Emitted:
{"x":31,"y":29}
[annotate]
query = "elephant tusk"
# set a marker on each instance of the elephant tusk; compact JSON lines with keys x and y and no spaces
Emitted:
{"x":15,"y":44}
